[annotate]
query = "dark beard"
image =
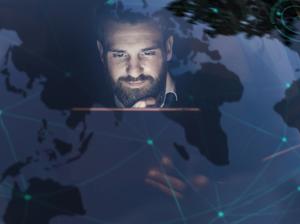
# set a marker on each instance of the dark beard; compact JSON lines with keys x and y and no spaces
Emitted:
{"x":129,"y":96}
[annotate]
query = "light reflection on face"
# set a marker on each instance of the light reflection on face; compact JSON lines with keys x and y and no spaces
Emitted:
{"x":135,"y":57}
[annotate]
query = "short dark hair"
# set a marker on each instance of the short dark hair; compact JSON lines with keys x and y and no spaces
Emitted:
{"x":126,"y":16}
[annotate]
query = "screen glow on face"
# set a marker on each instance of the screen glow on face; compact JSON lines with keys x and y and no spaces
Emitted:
{"x":135,"y":59}
{"x":144,"y":53}
{"x":134,"y":51}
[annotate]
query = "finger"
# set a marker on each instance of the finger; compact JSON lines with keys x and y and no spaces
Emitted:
{"x":145,"y":103}
{"x":150,"y":102}
{"x":166,"y":179}
{"x":167,"y":162}
{"x":140,"y":104}
{"x":163,"y":188}
{"x":200,"y":180}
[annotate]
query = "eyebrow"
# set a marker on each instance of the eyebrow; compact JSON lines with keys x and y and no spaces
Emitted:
{"x":123,"y":51}
{"x":117,"y":51}
{"x":150,"y":48}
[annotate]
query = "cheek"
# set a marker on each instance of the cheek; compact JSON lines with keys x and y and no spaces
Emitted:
{"x":115,"y":70}
{"x":153,"y":66}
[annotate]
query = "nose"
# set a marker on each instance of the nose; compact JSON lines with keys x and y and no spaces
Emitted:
{"x":134,"y":68}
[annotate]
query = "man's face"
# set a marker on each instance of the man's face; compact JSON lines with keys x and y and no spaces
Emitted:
{"x":135,"y":56}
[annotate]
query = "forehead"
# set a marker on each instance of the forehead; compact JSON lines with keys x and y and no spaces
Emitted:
{"x":127,"y":35}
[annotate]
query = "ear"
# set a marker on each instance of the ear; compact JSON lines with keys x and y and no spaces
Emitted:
{"x":101,"y":50}
{"x":169,"y":48}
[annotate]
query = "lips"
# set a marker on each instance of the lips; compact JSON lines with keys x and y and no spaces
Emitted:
{"x":136,"y":84}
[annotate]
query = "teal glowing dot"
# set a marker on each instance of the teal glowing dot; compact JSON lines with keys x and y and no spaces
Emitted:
{"x":298,"y":188}
{"x":284,"y":139}
{"x":288,"y":85}
{"x":68,"y":74}
{"x":110,"y":2}
{"x":221,"y":214}
{"x":278,"y":13}
{"x":150,"y":142}
{"x":27,"y":197}
{"x":214,"y":10}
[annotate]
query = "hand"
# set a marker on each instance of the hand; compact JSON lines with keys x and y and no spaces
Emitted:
{"x":162,"y":181}
{"x":149,"y":102}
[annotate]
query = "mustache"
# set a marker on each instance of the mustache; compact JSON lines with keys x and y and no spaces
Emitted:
{"x":141,"y":77}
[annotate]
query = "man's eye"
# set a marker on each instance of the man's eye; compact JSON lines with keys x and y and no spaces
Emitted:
{"x":119,"y":55}
{"x":149,"y":53}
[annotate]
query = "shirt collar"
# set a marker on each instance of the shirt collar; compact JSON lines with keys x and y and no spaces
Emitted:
{"x":170,"y":88}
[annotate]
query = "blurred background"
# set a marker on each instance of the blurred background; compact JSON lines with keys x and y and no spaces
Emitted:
{"x":238,"y":163}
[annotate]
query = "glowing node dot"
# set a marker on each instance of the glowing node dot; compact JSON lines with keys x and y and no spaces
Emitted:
{"x":298,"y":188}
{"x":284,"y":139}
{"x":27,"y":197}
{"x":110,"y":2}
{"x":150,"y":141}
{"x":214,"y":10}
{"x":278,"y":13}
{"x":221,"y":214}
{"x":68,"y":74}
{"x":288,"y":85}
